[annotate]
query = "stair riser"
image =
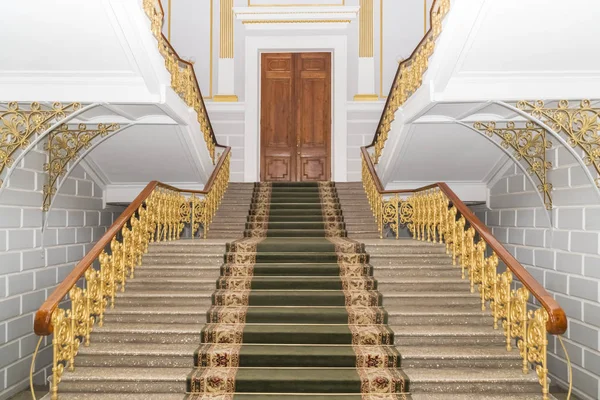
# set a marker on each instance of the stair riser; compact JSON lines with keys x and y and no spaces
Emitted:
{"x":473,"y":387}
{"x":150,"y":337}
{"x":165,"y":273}
{"x":460,"y":363}
{"x":180,"y":286}
{"x":416,"y":250}
{"x":448,"y":340}
{"x":135,"y":360}
{"x":391,"y":303}
{"x":395,"y":287}
{"x":105,"y":386}
{"x":398,"y":259}
{"x":416,"y":272}
{"x":200,"y":248}
{"x":156,"y":318}
{"x":360,"y":235}
{"x":408,"y":320}
{"x":212,"y":259}
{"x":158,"y":302}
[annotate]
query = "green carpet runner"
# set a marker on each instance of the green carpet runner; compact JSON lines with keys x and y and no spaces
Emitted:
{"x":296,"y":313}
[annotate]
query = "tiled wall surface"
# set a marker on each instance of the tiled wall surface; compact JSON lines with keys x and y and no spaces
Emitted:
{"x":33,"y":262}
{"x":561,"y":252}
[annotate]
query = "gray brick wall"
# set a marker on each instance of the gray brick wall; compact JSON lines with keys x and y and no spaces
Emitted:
{"x":33,"y":262}
{"x":563,"y":256}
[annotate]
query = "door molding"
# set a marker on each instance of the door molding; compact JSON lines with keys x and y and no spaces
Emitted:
{"x":338,"y":46}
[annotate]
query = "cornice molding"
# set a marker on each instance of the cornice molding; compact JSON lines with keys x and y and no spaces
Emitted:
{"x":286,"y":15}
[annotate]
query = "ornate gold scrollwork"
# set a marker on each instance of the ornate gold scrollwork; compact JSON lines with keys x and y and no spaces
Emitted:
{"x":530,"y":144}
{"x":410,"y":76}
{"x":63,"y":146}
{"x":433,"y":218}
{"x":160,"y":218}
{"x":581,"y":125}
{"x":18,"y":126}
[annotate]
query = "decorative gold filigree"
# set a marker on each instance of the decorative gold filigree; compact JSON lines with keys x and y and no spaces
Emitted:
{"x":18,"y":126}
{"x":409,"y":76}
{"x":530,"y":144}
{"x":434,"y":219}
{"x":160,"y":218}
{"x":183,"y":77}
{"x":581,"y":125}
{"x":63,"y":146}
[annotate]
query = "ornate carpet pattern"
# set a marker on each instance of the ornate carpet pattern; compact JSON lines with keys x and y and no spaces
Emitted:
{"x":296,"y":313}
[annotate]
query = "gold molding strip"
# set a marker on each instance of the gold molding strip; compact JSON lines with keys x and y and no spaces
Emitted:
{"x":295,"y":5}
{"x":580,"y":124}
{"x":63,"y":146}
{"x":297,"y":21}
{"x":226,"y":29}
{"x":530,"y":143}
{"x":18,"y":126}
{"x":365,"y":17}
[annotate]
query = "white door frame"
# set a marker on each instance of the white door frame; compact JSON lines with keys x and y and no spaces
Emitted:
{"x":337,"y":45}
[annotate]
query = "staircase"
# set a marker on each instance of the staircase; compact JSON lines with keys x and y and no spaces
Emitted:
{"x":297,"y":311}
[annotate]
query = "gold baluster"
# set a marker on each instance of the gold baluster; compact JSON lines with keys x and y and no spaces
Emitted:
{"x":518,"y":309}
{"x":537,"y":345}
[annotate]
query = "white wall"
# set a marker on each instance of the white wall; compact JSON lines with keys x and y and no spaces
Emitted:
{"x":563,"y":256}
{"x":403,"y":28}
{"x":32,"y":263}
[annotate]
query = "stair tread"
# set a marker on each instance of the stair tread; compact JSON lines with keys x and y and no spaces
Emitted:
{"x":456,"y":352}
{"x":445,"y":330}
{"x":154,"y":349}
{"x":131,"y":374}
{"x":468,"y":375}
{"x":118,"y":327}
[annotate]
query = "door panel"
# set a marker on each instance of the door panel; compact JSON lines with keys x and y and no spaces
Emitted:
{"x":278,"y":136}
{"x":296,"y":116}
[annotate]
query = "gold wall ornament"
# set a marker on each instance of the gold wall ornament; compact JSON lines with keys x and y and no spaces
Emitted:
{"x":63,"y":146}
{"x":18,"y":126}
{"x":581,"y":126}
{"x":365,"y":18}
{"x":183,"y":77}
{"x":530,"y":144}
{"x":409,"y":75}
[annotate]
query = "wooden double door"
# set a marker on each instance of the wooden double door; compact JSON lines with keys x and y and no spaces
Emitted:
{"x":295,"y":120}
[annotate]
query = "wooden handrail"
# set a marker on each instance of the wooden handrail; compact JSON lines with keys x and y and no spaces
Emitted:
{"x":557,"y":319}
{"x":43,"y":318}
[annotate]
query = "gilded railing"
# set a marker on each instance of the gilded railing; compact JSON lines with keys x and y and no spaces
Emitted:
{"x":183,"y":77}
{"x":435,"y":214}
{"x":159,"y":213}
{"x":409,"y":76}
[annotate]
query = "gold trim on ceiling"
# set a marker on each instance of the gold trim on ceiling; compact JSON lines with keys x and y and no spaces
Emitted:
{"x":297,"y":21}
{"x":295,"y":5}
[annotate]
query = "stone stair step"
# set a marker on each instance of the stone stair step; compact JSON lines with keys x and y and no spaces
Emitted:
{"x":125,"y":379}
{"x":458,"y":357}
{"x":396,"y":271}
{"x":478,"y":396}
{"x":424,"y":284}
{"x":164,"y":298}
{"x":447,"y":299}
{"x":461,"y":380}
{"x":161,"y":283}
{"x":448,"y":335}
{"x":156,"y":315}
{"x":177,"y":259}
{"x":119,"y":396}
{"x":119,"y":332}
{"x":175,"y":271}
{"x":465,"y":315}
{"x":137,"y":355}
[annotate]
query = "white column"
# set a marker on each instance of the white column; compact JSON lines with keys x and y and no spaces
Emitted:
{"x":225,"y":85}
{"x":366,"y":60}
